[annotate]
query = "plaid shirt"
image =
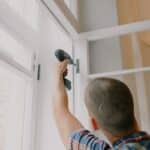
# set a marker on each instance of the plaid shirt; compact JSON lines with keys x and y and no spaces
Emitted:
{"x":84,"y":140}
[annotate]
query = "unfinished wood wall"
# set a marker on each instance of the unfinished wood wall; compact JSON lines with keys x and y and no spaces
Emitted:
{"x":130,"y":11}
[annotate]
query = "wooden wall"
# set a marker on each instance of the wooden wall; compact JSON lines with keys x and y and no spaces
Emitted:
{"x":130,"y":11}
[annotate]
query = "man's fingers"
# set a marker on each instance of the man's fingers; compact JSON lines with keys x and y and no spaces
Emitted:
{"x":65,"y":73}
{"x":66,"y":62}
{"x":62,"y":67}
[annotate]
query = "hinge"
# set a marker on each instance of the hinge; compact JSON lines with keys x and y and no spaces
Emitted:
{"x":39,"y":72}
{"x":77,"y":66}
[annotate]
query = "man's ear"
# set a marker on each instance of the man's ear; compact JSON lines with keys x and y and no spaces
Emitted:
{"x":94,"y":124}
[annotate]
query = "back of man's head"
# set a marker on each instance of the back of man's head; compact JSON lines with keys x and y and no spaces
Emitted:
{"x":111,"y":103}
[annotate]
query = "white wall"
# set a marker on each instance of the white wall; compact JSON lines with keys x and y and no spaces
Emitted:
{"x":52,"y":37}
{"x":95,"y":14}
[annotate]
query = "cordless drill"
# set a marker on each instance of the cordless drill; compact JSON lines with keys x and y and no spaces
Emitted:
{"x":61,"y":55}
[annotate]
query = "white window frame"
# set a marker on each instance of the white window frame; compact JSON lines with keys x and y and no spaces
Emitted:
{"x":82,"y":47}
{"x":109,"y":33}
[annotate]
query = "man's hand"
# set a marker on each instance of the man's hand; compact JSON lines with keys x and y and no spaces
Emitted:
{"x":60,"y":93}
{"x":65,"y":121}
{"x":61,"y":70}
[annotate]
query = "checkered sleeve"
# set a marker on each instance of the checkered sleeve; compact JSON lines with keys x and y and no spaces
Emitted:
{"x":84,"y":140}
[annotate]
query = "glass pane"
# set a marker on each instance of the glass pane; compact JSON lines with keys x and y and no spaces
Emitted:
{"x":12,"y":108}
{"x":27,"y":9}
{"x":118,"y":53}
{"x":14,"y":50}
{"x":107,"y":13}
{"x":105,"y":55}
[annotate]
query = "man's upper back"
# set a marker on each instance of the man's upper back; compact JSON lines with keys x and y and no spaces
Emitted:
{"x":84,"y":140}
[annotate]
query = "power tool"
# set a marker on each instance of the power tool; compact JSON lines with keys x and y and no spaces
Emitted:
{"x":61,"y":55}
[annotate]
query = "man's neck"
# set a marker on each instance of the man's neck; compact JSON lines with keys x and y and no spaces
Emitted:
{"x":112,"y":138}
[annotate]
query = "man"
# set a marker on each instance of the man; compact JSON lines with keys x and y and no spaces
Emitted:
{"x":110,"y":106}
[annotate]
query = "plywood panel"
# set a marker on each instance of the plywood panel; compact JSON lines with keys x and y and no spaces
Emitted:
{"x":127,"y":55}
{"x":131,"y":11}
{"x":144,"y":9}
{"x":127,"y":11}
{"x":128,"y":62}
{"x":145,"y":51}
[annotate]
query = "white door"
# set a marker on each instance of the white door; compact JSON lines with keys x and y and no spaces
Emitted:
{"x":18,"y":47}
{"x":16,"y":93}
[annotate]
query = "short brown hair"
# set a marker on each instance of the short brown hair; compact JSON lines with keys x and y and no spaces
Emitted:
{"x":111,"y":103}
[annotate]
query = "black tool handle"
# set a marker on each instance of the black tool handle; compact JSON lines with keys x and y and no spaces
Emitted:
{"x":61,"y":55}
{"x":67,"y":83}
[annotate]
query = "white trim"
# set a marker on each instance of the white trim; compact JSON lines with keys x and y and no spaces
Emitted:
{"x":81,"y":80}
{"x":74,"y":6}
{"x":15,"y":65}
{"x":120,"y":72}
{"x":115,"y":31}
{"x":63,"y":15}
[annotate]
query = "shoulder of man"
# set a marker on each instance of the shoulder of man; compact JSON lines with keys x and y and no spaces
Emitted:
{"x":85,"y":140}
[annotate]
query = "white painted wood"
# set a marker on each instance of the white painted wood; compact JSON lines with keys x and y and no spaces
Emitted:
{"x":23,"y":33}
{"x":74,"y":6}
{"x":52,"y":38}
{"x":140,"y":85}
{"x":81,"y":80}
{"x":15,"y":65}
{"x":16,"y":26}
{"x":63,"y":15}
{"x":115,"y":31}
{"x":118,"y":73}
{"x":13,"y":77}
